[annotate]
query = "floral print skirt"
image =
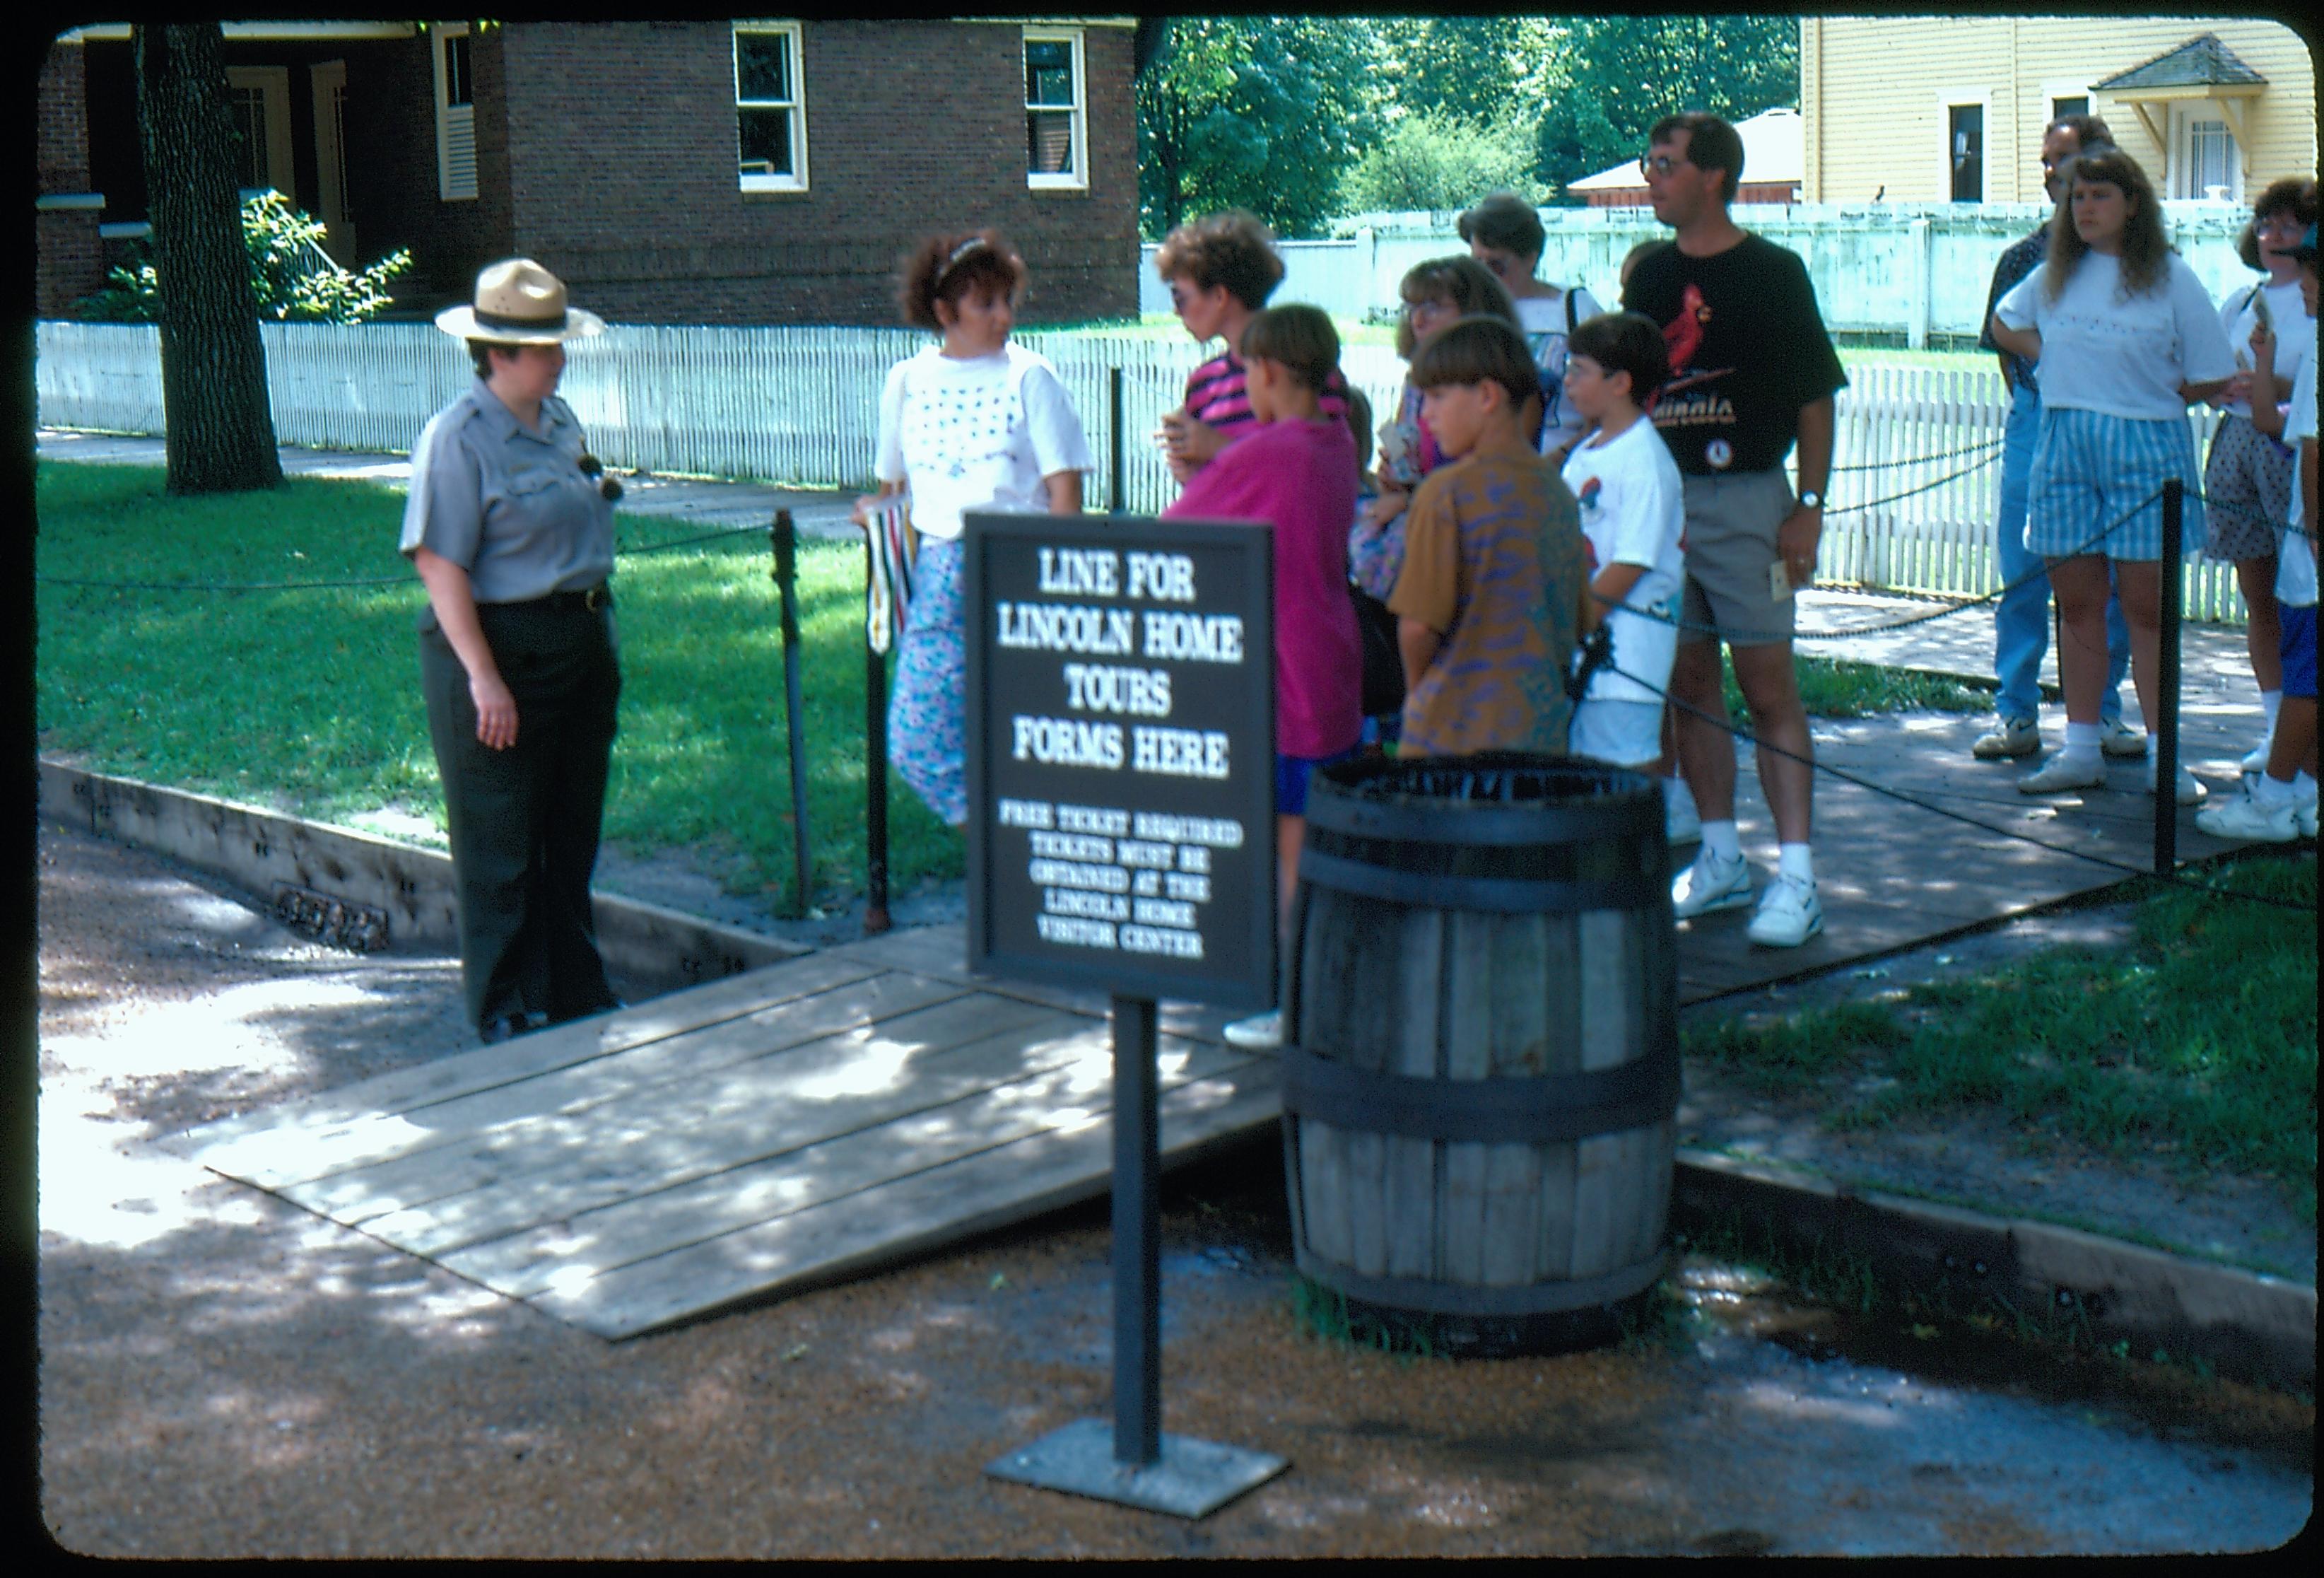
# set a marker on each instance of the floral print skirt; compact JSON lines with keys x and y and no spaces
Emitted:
{"x":928,"y":706}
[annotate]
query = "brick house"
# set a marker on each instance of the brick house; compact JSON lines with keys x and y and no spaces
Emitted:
{"x":688,"y":172}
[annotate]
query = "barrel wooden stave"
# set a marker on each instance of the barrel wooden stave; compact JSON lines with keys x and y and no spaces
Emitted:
{"x":1461,"y":995}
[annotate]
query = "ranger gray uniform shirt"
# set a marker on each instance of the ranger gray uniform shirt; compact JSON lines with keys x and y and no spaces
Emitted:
{"x":509,"y":506}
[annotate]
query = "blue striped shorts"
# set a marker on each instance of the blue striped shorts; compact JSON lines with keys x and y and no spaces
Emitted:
{"x":2093,"y":471}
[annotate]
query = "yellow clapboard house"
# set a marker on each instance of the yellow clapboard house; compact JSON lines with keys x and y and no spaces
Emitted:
{"x":1951,"y":109}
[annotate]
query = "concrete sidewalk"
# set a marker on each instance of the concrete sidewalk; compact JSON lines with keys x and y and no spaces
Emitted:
{"x":703,"y":501}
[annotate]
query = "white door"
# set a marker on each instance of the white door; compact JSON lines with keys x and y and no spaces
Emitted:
{"x":329,"y":81}
{"x":260,"y":96}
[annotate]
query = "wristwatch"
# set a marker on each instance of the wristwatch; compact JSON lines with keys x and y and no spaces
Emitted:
{"x":1809,"y":499}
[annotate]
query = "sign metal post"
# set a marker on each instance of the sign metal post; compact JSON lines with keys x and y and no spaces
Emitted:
{"x":1120,"y":777}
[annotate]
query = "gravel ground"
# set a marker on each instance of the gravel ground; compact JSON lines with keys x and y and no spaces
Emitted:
{"x":225,"y":1375}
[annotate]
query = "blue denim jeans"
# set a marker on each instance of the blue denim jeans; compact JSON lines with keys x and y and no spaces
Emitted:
{"x":2021,"y":619}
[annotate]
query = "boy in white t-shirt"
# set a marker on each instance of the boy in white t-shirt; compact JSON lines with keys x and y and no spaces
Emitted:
{"x":1633,"y":518}
{"x":2278,"y":803}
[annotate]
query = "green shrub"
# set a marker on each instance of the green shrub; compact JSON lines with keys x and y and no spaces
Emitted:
{"x":293,"y":278}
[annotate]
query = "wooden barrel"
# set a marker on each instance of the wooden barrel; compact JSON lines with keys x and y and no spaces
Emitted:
{"x":1480,"y":1067}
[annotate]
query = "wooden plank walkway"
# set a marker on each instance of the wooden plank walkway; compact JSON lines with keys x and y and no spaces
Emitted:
{"x":825,"y":1116}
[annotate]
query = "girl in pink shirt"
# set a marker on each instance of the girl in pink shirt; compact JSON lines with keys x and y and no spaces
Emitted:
{"x":1294,"y":470}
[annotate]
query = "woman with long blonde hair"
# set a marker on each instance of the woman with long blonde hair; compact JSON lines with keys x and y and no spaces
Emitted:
{"x":2126,"y":338}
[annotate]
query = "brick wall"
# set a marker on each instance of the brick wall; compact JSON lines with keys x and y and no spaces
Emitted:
{"x":70,"y":253}
{"x":391,"y":124}
{"x":620,"y":165}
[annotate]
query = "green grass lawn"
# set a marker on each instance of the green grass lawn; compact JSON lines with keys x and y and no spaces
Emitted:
{"x":308,"y":701}
{"x":2197,"y":1047}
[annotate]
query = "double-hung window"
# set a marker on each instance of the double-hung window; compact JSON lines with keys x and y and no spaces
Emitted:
{"x":1056,"y":122}
{"x":770,"y":108}
{"x":456,"y":112}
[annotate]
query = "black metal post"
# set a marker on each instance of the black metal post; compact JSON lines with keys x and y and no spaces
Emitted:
{"x":1136,"y":1237}
{"x":875,"y":762}
{"x":2166,"y":681}
{"x":1117,"y":485}
{"x":785,"y":541}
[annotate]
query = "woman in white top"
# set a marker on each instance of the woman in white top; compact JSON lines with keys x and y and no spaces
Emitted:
{"x":2248,"y":479}
{"x":974,"y":423}
{"x":2126,"y":338}
{"x":1505,"y":234}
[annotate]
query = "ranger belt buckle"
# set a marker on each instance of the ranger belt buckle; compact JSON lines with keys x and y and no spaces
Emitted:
{"x":595,"y":598}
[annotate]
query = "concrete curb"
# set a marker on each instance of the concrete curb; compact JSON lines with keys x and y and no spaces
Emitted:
{"x":261,"y":850}
{"x":2242,"y":1324}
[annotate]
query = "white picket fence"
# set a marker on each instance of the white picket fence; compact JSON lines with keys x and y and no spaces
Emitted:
{"x":1912,"y":507}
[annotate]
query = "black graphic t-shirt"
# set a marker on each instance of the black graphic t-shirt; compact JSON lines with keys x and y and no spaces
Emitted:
{"x":1747,"y":350}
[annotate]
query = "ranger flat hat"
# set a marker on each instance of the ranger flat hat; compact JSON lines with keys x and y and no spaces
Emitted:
{"x":519,"y":303}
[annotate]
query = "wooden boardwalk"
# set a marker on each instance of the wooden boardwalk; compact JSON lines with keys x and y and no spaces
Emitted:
{"x":822,"y":1117}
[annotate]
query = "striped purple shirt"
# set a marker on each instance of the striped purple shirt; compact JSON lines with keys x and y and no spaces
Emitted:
{"x":1217,"y":395}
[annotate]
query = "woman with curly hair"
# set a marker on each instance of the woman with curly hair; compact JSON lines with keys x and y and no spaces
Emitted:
{"x":2248,"y":479}
{"x":2125,"y":339}
{"x":971,"y":423}
{"x":1221,"y":269}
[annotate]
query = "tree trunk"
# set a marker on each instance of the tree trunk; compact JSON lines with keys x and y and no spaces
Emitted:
{"x":221,"y":433}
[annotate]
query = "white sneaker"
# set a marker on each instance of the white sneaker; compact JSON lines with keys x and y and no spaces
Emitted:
{"x":2063,"y":771}
{"x":2244,"y":817}
{"x":1709,"y":883}
{"x":1682,"y":822}
{"x":2118,"y":738}
{"x":2303,"y":811}
{"x":2256,"y":760}
{"x":1789,"y":914}
{"x":2008,"y":737}
{"x":1262,"y":1032}
{"x":2191,"y":791}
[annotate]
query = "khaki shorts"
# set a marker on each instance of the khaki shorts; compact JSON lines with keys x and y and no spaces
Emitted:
{"x":1731,"y":541}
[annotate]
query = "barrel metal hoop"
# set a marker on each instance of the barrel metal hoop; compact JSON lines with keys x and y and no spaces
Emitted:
{"x":1506,"y":895}
{"x":1458,"y":822}
{"x":1465,"y":1299}
{"x":1534,"y":1110}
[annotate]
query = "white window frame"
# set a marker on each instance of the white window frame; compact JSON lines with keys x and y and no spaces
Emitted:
{"x":455,"y":123}
{"x":1077,"y":181}
{"x":2181,"y":127}
{"x":759,"y":181}
{"x":272,"y":85}
{"x":2051,"y":92}
{"x":1948,"y":101}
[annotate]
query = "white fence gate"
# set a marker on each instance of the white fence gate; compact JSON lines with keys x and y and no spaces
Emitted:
{"x":1911,"y":503}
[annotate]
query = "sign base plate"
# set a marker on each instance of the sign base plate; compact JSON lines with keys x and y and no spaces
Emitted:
{"x":1192,"y":1479}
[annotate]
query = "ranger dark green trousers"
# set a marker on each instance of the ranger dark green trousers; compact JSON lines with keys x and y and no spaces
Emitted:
{"x":524,"y":821}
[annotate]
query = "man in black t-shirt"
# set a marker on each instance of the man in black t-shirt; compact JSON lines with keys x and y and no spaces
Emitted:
{"x":1752,"y":372}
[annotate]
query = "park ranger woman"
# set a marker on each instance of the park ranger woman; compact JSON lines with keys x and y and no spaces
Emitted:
{"x":511,"y":526}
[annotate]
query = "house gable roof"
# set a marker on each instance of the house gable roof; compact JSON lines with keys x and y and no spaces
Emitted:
{"x":2202,"y":62}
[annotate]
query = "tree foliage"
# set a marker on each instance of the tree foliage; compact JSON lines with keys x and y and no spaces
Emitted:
{"x":1292,"y":117}
{"x":292,"y":278}
{"x":1619,"y":75}
{"x":1433,"y":160}
{"x":1261,"y":113}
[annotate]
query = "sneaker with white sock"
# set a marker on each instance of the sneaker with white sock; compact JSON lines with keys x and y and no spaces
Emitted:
{"x":2118,"y":738}
{"x":2008,"y":737}
{"x":2191,"y":791}
{"x":1709,"y":885}
{"x":2255,"y":760}
{"x":2064,"y":771}
{"x":2244,"y":816}
{"x":1789,"y":914}
{"x":1262,"y":1032}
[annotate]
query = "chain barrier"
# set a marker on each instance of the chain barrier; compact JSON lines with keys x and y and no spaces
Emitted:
{"x":1949,"y":609}
{"x":1981,"y":444}
{"x":634,"y":550}
{"x":1894,"y":794}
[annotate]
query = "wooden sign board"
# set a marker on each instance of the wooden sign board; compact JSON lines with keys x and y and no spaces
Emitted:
{"x":1120,"y":751}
